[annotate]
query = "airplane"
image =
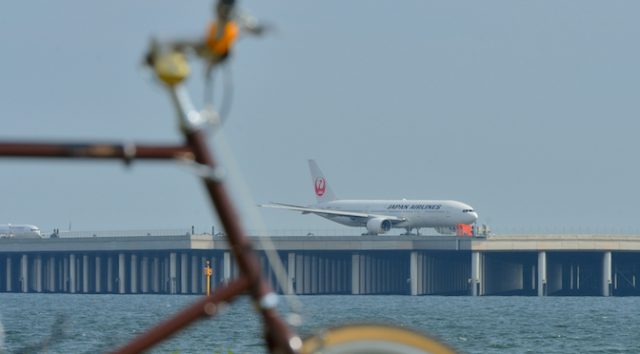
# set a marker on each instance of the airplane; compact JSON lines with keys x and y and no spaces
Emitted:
{"x":20,"y":231}
{"x":380,"y":216}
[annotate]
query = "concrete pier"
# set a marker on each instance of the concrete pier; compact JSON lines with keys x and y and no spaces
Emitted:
{"x":543,"y":265}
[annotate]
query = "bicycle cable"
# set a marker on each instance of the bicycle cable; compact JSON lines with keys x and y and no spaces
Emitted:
{"x":225,"y":153}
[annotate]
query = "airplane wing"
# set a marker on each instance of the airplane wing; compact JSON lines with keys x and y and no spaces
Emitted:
{"x":306,"y":210}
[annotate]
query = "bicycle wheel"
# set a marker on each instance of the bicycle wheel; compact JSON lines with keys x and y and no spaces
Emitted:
{"x":372,"y":339}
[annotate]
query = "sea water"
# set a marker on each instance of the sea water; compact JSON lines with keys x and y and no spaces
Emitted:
{"x":67,"y":323}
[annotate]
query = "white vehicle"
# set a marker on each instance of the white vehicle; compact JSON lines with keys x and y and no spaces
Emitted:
{"x":19,"y":231}
{"x":380,"y":216}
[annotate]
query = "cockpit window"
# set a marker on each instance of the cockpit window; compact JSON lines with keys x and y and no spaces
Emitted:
{"x":467,"y":210}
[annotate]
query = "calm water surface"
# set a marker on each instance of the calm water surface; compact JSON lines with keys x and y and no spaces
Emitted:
{"x":97,"y":323}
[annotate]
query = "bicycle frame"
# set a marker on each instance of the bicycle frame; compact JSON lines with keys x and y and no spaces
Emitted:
{"x":171,"y":68}
{"x":277,"y":334}
{"x":195,"y":149}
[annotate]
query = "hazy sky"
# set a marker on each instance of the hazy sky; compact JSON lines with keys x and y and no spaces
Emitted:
{"x":527,"y":110}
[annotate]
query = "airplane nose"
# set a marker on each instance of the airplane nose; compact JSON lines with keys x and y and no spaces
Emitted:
{"x":474,"y":216}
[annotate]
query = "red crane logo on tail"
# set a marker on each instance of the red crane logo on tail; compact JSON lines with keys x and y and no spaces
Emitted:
{"x":321,"y":186}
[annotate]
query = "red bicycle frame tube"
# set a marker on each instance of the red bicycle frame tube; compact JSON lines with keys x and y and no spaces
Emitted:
{"x":277,"y":334}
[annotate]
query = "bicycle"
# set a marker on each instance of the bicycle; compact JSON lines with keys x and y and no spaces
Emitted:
{"x":169,"y":64}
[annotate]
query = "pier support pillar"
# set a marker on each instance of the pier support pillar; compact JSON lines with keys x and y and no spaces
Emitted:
{"x":606,"y":273}
{"x":217,"y":272}
{"x":306,"y":275}
{"x":195,"y":274}
{"x":413,"y":272}
{"x":542,"y":273}
{"x":200,"y":274}
{"x":334,"y":275}
{"x":51,"y":274}
{"x":314,"y":274}
{"x":173,"y":272}
{"x":184,"y":274}
{"x":365,"y":277}
{"x":9,"y":274}
{"x":325,"y":278}
{"x":122,"y":275}
{"x":98,"y":277}
{"x":291,"y":273}
{"x":355,"y":274}
{"x":133,"y":271}
{"x":155,"y":275}
{"x":85,"y":273}
{"x":226,"y":267}
{"x":298,"y":279}
{"x":37,"y":265}
{"x":24,"y":273}
{"x":144,"y":276}
{"x":476,"y":273}
{"x":110,"y":274}
{"x":65,"y":274}
{"x":72,"y":273}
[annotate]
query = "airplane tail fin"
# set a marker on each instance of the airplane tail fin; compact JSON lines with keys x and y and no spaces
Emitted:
{"x":320,"y":185}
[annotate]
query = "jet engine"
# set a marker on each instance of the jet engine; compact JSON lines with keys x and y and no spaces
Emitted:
{"x":446,"y":230}
{"x":378,"y":226}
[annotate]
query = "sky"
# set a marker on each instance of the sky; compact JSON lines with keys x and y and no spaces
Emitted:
{"x":525,"y":110}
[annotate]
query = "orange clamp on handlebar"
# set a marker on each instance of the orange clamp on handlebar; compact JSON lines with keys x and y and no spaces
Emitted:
{"x":221,"y":45}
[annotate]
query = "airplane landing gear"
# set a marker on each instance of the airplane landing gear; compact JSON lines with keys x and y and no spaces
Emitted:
{"x":408,"y":231}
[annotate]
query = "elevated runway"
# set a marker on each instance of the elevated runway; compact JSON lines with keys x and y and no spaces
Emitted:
{"x":413,"y":265}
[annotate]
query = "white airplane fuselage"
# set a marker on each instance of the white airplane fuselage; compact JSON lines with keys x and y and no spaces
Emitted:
{"x":416,"y":213}
{"x":380,"y":216}
{"x":20,"y":231}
